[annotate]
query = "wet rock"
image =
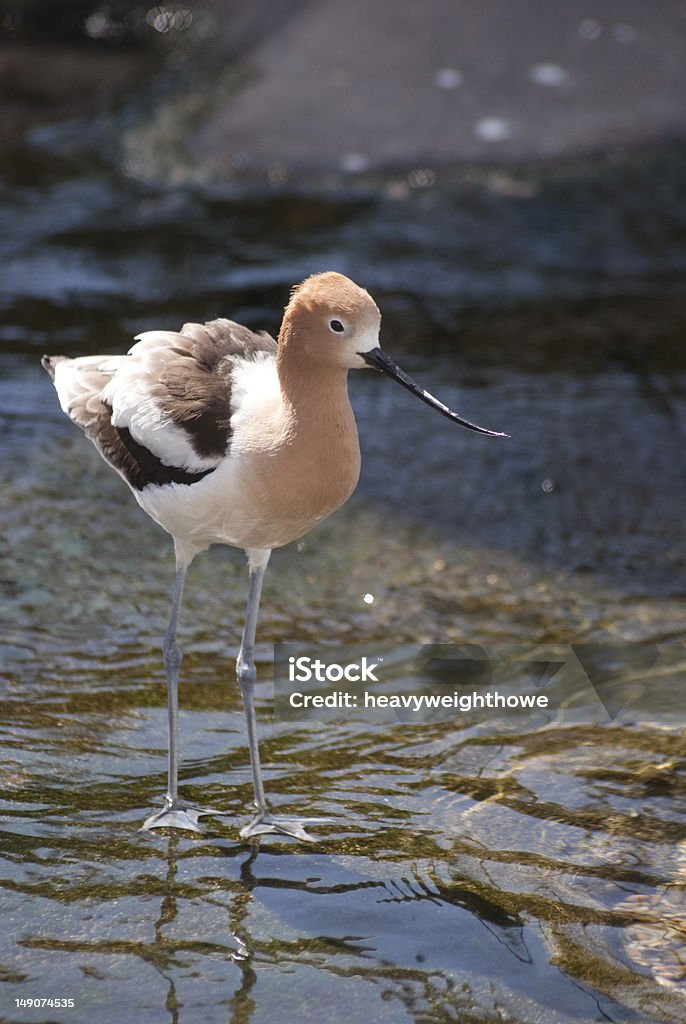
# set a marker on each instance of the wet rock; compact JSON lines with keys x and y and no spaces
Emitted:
{"x":356,"y":87}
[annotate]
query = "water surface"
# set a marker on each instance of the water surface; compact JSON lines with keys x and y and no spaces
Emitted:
{"x":473,"y":871}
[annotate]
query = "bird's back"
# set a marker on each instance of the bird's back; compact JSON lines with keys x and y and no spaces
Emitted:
{"x":162,"y":413}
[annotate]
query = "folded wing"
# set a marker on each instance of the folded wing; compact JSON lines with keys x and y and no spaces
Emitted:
{"x":162,"y":413}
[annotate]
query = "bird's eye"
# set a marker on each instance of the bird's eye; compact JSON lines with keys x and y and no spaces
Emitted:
{"x":336,"y":326}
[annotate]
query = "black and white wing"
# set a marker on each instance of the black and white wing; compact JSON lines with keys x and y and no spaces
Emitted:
{"x":162,"y":413}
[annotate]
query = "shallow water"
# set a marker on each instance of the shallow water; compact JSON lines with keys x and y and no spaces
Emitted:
{"x":474,"y":870}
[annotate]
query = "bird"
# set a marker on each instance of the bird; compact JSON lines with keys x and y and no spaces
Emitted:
{"x":226,"y":436}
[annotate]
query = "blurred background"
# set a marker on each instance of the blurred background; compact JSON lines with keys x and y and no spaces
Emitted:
{"x":508,"y":179}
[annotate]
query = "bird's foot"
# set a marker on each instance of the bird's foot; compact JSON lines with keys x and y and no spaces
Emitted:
{"x":266,"y":823}
{"x":178,"y":817}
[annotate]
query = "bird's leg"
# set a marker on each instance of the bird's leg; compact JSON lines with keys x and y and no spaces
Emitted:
{"x":264,"y":821}
{"x":173,"y":814}
{"x":246,"y":675}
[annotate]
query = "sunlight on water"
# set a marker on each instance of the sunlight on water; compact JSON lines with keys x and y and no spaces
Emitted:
{"x":460,"y":852}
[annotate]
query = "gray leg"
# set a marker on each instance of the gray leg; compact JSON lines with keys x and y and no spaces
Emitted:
{"x":264,"y":821}
{"x":173,"y":814}
{"x":246,"y":675}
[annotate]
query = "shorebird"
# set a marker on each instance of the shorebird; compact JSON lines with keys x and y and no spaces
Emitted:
{"x":226,"y":437}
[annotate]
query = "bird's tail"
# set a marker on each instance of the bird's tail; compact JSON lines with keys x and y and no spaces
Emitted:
{"x":50,"y":362}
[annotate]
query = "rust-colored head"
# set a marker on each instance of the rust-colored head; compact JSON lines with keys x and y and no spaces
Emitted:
{"x":328,"y":321}
{"x":330,"y":326}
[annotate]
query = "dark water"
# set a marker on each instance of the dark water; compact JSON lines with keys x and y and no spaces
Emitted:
{"x":474,"y":871}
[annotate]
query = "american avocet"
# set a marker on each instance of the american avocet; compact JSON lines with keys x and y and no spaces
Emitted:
{"x":225,"y":437}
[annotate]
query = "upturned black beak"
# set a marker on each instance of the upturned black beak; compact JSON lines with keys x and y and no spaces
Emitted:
{"x":380,"y":361}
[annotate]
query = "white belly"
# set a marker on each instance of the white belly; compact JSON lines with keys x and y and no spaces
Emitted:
{"x":247,"y":504}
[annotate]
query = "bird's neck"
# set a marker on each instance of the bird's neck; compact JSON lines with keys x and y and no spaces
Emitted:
{"x":322,"y":427}
{"x":314,"y":390}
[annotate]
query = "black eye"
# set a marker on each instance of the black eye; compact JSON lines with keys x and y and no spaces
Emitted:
{"x":336,"y":326}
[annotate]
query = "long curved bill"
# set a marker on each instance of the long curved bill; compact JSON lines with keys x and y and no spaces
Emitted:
{"x":380,"y":361}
